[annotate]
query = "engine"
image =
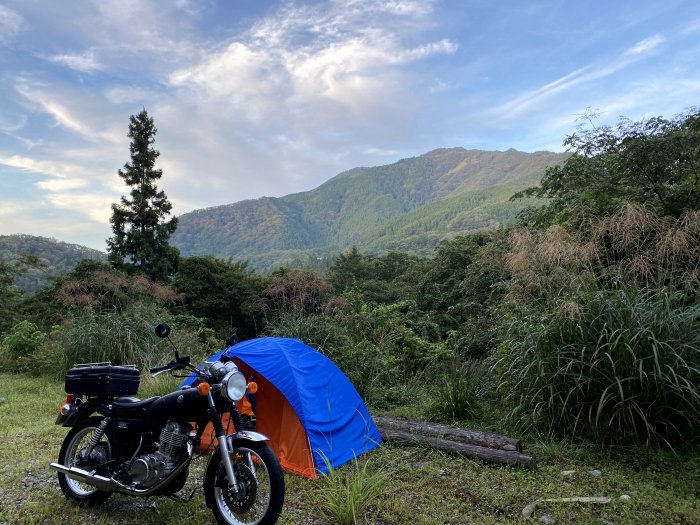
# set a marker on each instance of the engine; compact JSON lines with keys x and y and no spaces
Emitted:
{"x":146,"y":470}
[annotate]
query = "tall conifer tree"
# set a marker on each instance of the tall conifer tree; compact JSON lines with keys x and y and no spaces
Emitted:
{"x":141,"y":233}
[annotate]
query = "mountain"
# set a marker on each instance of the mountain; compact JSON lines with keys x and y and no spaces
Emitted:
{"x":409,"y":205}
{"x":54,"y":257}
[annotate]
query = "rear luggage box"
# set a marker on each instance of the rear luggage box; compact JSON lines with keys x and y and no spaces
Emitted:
{"x":102,"y":379}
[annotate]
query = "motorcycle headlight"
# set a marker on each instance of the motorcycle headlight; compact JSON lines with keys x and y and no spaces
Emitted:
{"x":234,"y":385}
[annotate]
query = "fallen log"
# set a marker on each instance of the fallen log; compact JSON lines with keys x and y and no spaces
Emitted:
{"x":506,"y":457}
{"x":447,"y":433}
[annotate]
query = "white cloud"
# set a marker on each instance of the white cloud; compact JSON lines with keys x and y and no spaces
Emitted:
{"x":95,"y":205}
{"x":11,"y":23}
{"x":61,"y":185}
{"x":85,"y":62}
{"x":646,"y":45}
{"x":309,"y":54}
{"x":587,"y":74}
{"x":47,"y":167}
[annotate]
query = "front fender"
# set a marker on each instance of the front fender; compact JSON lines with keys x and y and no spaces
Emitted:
{"x":246,"y":435}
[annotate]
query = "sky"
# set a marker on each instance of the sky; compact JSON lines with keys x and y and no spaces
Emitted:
{"x":257,"y":98}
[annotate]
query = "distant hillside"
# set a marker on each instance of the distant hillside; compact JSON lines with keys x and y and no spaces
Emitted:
{"x":55,"y":257}
{"x":409,"y":205}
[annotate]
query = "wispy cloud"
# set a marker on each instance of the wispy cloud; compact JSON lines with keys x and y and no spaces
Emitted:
{"x":306,"y":53}
{"x":587,"y":74}
{"x":84,"y":62}
{"x":11,"y":23}
{"x":646,"y":45}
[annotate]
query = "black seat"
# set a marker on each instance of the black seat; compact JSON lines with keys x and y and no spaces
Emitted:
{"x":133,"y":402}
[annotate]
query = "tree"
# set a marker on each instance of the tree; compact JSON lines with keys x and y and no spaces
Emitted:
{"x":141,"y":233}
{"x":654,"y":162}
{"x":219,"y":291}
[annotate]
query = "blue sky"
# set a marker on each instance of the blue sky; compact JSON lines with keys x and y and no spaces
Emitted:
{"x":256,"y":98}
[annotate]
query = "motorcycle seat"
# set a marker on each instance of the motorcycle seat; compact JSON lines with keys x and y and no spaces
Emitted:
{"x":133,"y":402}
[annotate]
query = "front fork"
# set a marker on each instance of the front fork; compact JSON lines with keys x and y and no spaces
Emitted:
{"x":223,"y":443}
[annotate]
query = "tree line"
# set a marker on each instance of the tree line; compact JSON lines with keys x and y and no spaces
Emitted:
{"x":582,"y":321}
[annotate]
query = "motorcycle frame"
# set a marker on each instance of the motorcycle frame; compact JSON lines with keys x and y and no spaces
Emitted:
{"x":105,"y":409}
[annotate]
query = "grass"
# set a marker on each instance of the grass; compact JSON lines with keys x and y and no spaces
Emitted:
{"x":424,"y":487}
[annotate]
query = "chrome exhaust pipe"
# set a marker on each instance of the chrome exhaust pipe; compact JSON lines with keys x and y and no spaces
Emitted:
{"x":112,"y":485}
{"x":83,"y":476}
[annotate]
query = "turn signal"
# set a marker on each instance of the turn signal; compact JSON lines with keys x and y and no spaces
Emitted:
{"x":203,"y":389}
{"x":252,"y":387}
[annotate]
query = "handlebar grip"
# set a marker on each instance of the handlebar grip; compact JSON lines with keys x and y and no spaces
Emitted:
{"x":157,"y":369}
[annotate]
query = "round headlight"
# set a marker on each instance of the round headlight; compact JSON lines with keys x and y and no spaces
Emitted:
{"x":234,"y":385}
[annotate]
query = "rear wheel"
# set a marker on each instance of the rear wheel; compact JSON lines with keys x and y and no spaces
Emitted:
{"x":73,"y":455}
{"x":260,"y":494}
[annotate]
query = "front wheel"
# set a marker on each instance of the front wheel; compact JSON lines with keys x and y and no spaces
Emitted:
{"x":260,"y":494}
{"x":73,"y":453}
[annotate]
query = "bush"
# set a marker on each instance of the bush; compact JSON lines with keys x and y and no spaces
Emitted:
{"x":23,"y":340}
{"x":124,"y":337}
{"x":19,"y":346}
{"x":460,"y":396}
{"x":621,"y":366}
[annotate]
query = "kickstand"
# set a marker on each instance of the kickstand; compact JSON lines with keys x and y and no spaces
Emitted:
{"x":175,"y":497}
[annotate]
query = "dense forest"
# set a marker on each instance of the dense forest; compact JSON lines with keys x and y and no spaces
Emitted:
{"x":38,"y":259}
{"x":408,"y":206}
{"x":583,"y":320}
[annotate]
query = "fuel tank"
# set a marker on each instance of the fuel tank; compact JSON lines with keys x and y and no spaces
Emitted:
{"x":183,"y":405}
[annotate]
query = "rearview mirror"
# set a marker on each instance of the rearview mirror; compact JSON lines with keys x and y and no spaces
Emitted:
{"x":163,"y":330}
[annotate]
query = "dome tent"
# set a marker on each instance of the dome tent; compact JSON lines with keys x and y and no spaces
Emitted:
{"x":308,"y":408}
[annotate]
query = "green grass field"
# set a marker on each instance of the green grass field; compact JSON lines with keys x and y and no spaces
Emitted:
{"x":424,"y":487}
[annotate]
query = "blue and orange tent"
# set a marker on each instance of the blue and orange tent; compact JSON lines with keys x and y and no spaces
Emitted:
{"x":308,"y":408}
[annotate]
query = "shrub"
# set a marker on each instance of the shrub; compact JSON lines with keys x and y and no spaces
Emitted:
{"x":124,"y":337}
{"x":460,"y":396}
{"x":19,"y":346}
{"x":23,"y":340}
{"x":615,"y":365}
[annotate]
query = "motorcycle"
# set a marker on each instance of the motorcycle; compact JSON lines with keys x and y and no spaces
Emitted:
{"x":143,"y":447}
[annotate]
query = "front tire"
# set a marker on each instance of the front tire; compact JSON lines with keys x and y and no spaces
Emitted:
{"x":260,"y":480}
{"x":78,"y":439}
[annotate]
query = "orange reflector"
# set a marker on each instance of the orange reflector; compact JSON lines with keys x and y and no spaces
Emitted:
{"x":252,"y":387}
{"x":204,"y":388}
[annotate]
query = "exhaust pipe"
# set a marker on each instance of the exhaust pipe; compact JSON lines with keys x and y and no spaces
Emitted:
{"x":78,"y":474}
{"x":112,"y":485}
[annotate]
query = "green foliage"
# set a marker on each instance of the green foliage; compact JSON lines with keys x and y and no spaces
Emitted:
{"x":408,"y":206}
{"x":460,"y":395}
{"x":141,"y":234}
{"x":343,"y":495}
{"x":40,"y":259}
{"x":652,"y":162}
{"x":10,"y":296}
{"x":375,"y":278}
{"x":124,"y":337}
{"x":19,"y":346}
{"x":93,"y":285}
{"x":617,"y":365}
{"x":222,"y":292}
{"x":23,"y":340}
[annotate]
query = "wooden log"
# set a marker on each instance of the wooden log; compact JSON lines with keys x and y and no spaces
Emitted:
{"x":506,"y":457}
{"x":459,"y":435}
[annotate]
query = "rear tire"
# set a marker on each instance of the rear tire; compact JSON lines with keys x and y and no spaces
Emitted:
{"x":261,"y":486}
{"x":76,"y":440}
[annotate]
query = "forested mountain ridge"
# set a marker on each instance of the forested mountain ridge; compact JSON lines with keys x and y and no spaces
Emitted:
{"x":52,"y":257}
{"x":410,"y":205}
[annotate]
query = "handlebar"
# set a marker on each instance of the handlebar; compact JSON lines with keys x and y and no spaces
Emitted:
{"x":179,"y":364}
{"x":158,"y":369}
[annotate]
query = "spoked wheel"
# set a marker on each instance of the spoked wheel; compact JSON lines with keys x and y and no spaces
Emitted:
{"x":260,"y":484}
{"x":73,"y":455}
